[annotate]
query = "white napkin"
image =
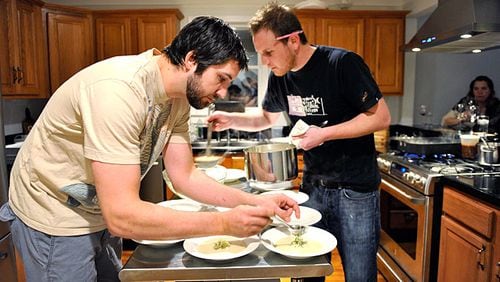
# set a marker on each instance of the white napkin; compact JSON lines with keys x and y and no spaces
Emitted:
{"x":298,"y":129}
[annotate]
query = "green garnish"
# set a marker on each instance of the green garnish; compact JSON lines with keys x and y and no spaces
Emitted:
{"x":221,"y":244}
{"x":298,"y":241}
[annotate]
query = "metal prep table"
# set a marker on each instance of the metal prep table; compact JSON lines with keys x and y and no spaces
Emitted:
{"x":173,"y":263}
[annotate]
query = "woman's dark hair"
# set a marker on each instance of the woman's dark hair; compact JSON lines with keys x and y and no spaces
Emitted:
{"x":277,"y":18}
{"x":488,"y":81}
{"x":213,"y":42}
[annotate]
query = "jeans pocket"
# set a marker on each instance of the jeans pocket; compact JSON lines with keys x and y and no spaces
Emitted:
{"x":354,"y":195}
{"x":6,"y":213}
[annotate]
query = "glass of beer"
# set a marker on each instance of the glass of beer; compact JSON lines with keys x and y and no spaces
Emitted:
{"x":483,"y":122}
{"x":468,"y":143}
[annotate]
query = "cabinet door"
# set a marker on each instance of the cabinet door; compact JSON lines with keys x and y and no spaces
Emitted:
{"x":155,"y":31}
{"x":464,"y":256}
{"x":70,"y":46}
{"x":8,"y":48}
{"x":30,"y":58}
{"x":23,"y":49}
{"x":113,"y":36}
{"x":347,"y":33}
{"x":383,"y":54}
{"x":309,"y":27}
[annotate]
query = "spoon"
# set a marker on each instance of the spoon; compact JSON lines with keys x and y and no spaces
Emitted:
{"x":208,"y":151}
{"x":486,"y":143}
{"x":323,"y":123}
{"x":295,"y":229}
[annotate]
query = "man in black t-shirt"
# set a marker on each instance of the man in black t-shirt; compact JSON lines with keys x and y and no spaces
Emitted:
{"x":317,"y":84}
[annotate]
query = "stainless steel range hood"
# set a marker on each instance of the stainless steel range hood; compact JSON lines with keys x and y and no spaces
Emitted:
{"x":446,"y":26}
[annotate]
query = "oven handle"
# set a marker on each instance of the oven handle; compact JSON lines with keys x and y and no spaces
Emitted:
{"x":416,"y":200}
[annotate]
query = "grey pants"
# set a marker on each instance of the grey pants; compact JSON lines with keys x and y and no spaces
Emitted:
{"x":91,"y":257}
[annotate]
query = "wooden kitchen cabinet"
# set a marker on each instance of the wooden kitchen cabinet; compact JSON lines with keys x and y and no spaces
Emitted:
{"x":347,"y":33}
{"x":22,"y":57}
{"x":469,"y":239}
{"x":377,"y":36}
{"x":70,"y":42}
{"x":131,"y":32}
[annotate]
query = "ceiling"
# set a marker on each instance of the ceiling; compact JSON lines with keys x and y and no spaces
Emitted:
{"x":412,"y":5}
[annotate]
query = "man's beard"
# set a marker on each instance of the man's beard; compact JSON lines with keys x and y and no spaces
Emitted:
{"x":290,"y":64}
{"x":193,"y":92}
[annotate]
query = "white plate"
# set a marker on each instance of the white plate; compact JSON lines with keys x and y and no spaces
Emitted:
{"x":15,"y":145}
{"x":218,"y":173}
{"x":313,"y":235}
{"x":308,"y":216}
{"x":262,"y":186}
{"x":299,"y":197}
{"x":157,"y":243}
{"x":181,"y":205}
{"x":287,"y":140}
{"x":233,"y":174}
{"x":195,"y":247}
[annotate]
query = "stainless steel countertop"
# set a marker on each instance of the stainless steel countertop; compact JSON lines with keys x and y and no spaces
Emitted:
{"x":173,"y":263}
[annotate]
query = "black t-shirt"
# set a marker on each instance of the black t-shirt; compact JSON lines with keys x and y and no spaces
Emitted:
{"x":334,"y":85}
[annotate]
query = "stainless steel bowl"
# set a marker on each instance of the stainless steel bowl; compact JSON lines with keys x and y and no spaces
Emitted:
{"x":269,"y":163}
{"x":488,"y":153}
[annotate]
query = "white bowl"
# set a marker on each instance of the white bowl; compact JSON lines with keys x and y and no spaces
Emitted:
{"x":207,"y":161}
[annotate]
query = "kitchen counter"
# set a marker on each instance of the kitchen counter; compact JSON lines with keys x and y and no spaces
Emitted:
{"x":173,"y":263}
{"x":486,"y":187}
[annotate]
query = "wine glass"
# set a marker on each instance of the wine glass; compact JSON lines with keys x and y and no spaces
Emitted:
{"x":422,"y":111}
{"x":426,"y":115}
{"x":464,"y":116}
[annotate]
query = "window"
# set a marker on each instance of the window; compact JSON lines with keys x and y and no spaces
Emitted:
{"x":245,"y":87}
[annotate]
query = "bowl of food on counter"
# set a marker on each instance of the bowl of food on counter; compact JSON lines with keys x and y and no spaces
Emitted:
{"x":208,"y":161}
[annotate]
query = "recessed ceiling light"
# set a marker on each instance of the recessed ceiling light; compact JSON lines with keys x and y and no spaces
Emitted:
{"x":465,"y":36}
{"x":416,"y":49}
{"x":476,"y":51}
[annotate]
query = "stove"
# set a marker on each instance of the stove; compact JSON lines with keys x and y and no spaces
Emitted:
{"x":421,"y":172}
{"x":410,"y":208}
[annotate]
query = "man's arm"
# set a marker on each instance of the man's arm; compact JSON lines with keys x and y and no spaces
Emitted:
{"x":243,"y":121}
{"x":197,"y":185}
{"x":126,"y":215}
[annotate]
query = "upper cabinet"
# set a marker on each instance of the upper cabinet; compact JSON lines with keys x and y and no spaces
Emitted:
{"x":377,"y":36}
{"x":22,"y":57}
{"x":70,"y":42}
{"x":128,"y":32}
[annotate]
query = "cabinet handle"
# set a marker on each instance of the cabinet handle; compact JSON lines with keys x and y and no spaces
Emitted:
{"x":481,"y":257}
{"x":14,"y":75}
{"x":3,"y":255}
{"x":498,"y":271}
{"x":20,"y":76}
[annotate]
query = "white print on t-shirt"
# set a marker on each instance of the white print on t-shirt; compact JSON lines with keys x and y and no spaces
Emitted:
{"x":295,"y":105}
{"x":307,"y":106}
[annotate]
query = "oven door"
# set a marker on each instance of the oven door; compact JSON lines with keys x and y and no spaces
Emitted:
{"x":406,"y":224}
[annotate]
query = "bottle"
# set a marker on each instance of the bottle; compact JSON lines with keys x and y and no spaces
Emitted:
{"x":28,"y":121}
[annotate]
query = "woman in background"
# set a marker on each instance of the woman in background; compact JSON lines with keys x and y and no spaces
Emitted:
{"x":480,"y":100}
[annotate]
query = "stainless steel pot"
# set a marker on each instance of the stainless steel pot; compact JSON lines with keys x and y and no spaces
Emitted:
{"x":488,"y":154}
{"x":269,"y":163}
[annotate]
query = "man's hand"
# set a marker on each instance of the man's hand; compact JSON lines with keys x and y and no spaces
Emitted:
{"x":220,"y":120}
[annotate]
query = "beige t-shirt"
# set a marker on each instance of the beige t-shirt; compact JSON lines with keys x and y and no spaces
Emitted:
{"x":115,"y":111}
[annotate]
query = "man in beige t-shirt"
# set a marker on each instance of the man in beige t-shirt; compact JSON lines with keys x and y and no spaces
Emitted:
{"x":75,"y":182}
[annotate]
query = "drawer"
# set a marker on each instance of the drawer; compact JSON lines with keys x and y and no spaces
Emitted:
{"x":4,"y":228}
{"x":476,"y":215}
{"x":7,"y":260}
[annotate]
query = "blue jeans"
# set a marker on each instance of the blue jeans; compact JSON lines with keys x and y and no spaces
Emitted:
{"x":90,"y":257}
{"x":354,"y":219}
